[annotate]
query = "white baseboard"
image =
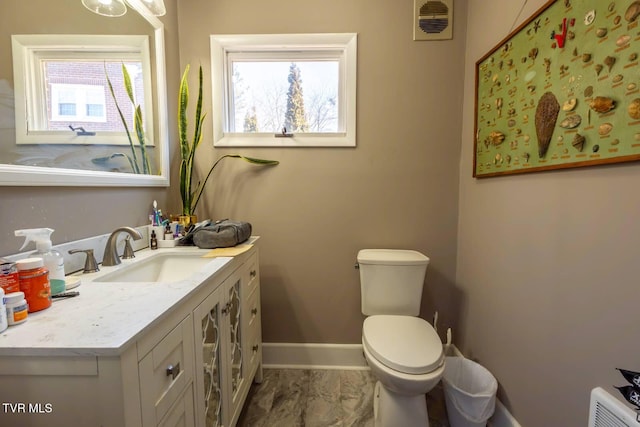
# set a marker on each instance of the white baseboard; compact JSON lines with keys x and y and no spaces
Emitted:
{"x":348,"y":356}
{"x":313,"y":356}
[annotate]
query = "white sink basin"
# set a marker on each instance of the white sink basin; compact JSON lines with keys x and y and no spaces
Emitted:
{"x":166,"y":268}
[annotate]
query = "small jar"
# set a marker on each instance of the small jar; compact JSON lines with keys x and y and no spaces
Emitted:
{"x":17,"y":308}
{"x":34,"y":282}
{"x":8,"y":276}
{"x":3,"y":312}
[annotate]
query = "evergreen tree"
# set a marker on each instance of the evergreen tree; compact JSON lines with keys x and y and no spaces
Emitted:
{"x":251,"y":120}
{"x":295,"y":117}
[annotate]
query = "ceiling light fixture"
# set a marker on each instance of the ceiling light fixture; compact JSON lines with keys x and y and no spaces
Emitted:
{"x":114,"y":8}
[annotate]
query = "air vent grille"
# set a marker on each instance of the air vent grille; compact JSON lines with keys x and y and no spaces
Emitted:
{"x":433,"y":19}
{"x":607,"y":411}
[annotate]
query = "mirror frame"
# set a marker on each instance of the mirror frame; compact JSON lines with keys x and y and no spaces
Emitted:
{"x":18,"y":175}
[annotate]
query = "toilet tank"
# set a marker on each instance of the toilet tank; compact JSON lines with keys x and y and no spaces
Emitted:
{"x":391,"y":281}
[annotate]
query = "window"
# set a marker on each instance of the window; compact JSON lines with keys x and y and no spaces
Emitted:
{"x":293,"y":90}
{"x":60,"y":82}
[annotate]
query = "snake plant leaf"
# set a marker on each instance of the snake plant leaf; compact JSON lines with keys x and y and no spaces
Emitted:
{"x":134,"y":165}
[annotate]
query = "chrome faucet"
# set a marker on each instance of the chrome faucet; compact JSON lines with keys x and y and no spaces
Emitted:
{"x":111,"y":251}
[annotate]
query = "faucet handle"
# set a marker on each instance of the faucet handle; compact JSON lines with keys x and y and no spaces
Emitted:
{"x":90,"y":263}
{"x":128,"y":250}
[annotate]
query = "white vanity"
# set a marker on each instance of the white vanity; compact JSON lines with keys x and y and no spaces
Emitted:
{"x":174,"y":353}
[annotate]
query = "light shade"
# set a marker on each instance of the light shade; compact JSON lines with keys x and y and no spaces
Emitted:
{"x":156,"y":7}
{"x":106,"y":7}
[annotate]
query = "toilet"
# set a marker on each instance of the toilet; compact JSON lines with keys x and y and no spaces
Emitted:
{"x":403,"y":351}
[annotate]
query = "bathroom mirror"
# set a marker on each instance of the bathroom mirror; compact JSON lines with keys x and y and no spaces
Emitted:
{"x":98,"y":162}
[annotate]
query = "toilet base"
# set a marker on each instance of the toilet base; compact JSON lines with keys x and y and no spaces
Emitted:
{"x":391,"y":409}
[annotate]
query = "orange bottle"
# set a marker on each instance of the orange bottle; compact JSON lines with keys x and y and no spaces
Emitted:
{"x":33,"y":277}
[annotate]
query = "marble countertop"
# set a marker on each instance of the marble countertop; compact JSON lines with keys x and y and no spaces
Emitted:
{"x":106,"y":317}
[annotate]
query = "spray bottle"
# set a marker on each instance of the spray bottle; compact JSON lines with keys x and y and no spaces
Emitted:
{"x":53,"y":260}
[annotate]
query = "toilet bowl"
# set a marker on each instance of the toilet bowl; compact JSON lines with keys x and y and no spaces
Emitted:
{"x":406,"y":357}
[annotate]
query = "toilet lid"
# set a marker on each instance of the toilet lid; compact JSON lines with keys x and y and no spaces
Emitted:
{"x":404,"y":343}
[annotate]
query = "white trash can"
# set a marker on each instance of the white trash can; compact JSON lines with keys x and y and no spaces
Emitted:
{"x":469,"y":392}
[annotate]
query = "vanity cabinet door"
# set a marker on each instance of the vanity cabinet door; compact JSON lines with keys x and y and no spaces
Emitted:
{"x":209,"y":360}
{"x":165,"y":372}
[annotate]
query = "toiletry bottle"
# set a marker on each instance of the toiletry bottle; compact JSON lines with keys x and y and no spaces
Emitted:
{"x":168,"y":234}
{"x":154,"y":240}
{"x":53,"y":260}
{"x":3,"y":312}
{"x":34,"y":282}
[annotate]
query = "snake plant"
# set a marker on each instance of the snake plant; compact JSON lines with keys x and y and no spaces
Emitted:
{"x":137,"y":123}
{"x":189,"y":193}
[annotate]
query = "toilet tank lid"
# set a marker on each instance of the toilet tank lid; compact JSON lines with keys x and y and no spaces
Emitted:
{"x":391,"y":257}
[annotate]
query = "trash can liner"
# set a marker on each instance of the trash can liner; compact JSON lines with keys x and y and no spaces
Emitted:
{"x":470,"y":388}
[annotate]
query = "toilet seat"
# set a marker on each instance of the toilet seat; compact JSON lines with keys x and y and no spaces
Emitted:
{"x":404,"y":343}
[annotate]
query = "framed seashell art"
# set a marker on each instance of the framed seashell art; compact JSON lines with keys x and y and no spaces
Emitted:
{"x":561,"y":91}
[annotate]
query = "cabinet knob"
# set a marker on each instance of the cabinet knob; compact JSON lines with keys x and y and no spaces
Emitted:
{"x":173,"y":371}
{"x":254,"y":311}
{"x":253,"y":273}
{"x":255,"y":348}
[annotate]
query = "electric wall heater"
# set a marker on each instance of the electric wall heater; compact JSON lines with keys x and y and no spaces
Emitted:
{"x":607,"y":411}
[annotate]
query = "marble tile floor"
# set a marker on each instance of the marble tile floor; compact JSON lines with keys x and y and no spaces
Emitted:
{"x":321,"y":398}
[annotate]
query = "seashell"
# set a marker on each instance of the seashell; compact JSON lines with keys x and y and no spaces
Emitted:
{"x":612,"y":6}
{"x":588,"y":91}
{"x":533,"y":53}
{"x":571,"y":35}
{"x":496,"y":138}
{"x":560,"y":138}
{"x":571,"y":122}
{"x":595,"y":148}
{"x":598,"y":68}
{"x":569,"y":105}
{"x":609,"y":61}
{"x":575,"y":51}
{"x":617,"y":20}
{"x":623,"y":40}
{"x":605,"y":129}
{"x":511,"y":123}
{"x":631,"y":86}
{"x":526,"y":156}
{"x":531,"y":88}
{"x":602,"y":104}
{"x":586,"y":57}
{"x":497,"y":159}
{"x":527,"y":138}
{"x":633,"y":56}
{"x":529,"y":76}
{"x":601,"y":32}
{"x":508,"y":158}
{"x":545,"y":121}
{"x":578,"y":141}
{"x":632,"y":11}
{"x":615,"y":142}
{"x":589,"y":17}
{"x":634,"y":109}
{"x":617,"y":78}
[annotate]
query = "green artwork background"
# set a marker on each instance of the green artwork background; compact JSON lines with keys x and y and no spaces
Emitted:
{"x":511,"y":79}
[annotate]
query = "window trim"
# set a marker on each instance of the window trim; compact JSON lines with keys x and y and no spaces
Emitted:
{"x":224,"y":45}
{"x":29,"y":49}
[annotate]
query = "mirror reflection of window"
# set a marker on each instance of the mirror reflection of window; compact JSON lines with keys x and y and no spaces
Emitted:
{"x":62,"y":83}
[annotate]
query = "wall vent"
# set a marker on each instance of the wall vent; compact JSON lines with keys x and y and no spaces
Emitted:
{"x":432,"y":19}
{"x":607,"y":411}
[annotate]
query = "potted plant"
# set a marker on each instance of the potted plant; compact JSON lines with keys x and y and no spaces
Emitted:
{"x":190,"y":193}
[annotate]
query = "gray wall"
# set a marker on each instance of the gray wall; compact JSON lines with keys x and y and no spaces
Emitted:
{"x":547,"y":264}
{"x":397,"y":188}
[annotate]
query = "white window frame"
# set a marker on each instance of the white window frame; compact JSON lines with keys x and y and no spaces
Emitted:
{"x":308,"y":46}
{"x":30,"y":88}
